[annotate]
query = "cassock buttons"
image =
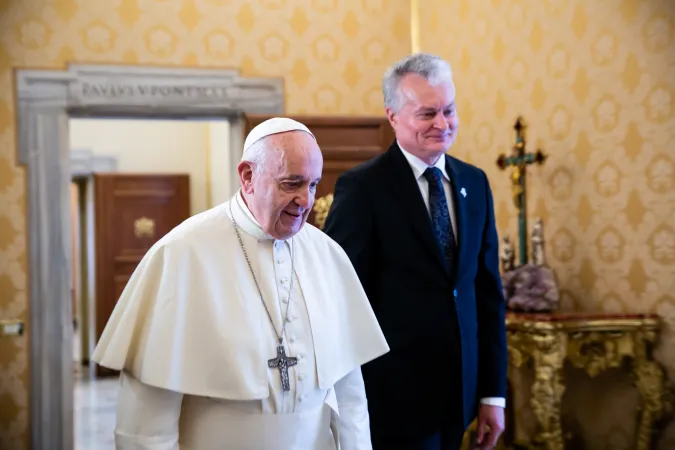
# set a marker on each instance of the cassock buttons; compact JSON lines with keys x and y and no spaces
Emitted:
{"x":301,"y":377}
{"x":292,"y":338}
{"x":285,"y":299}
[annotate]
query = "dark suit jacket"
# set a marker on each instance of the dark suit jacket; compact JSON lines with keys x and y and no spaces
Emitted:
{"x":446,"y":331}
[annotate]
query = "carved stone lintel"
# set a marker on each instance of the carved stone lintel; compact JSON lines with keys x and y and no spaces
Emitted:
{"x":94,"y":89}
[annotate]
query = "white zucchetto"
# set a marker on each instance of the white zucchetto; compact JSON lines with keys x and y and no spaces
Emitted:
{"x":273,"y":126}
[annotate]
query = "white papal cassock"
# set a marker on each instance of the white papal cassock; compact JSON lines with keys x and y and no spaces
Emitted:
{"x":192,"y":339}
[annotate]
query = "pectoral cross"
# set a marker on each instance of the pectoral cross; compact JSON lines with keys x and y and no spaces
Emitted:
{"x":283,"y":362}
{"x":519,"y":159}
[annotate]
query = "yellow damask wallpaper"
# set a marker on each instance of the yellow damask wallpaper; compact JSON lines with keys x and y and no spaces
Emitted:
{"x":595,"y":80}
{"x":331,"y":54}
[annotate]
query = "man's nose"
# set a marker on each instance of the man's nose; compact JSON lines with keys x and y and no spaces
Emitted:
{"x":303,"y":198}
{"x":441,"y":122}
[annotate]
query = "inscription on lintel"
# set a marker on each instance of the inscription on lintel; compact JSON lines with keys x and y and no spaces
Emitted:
{"x":97,"y":91}
{"x":126,"y":90}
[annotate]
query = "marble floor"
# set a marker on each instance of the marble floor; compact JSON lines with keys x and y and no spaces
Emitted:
{"x":94,"y":401}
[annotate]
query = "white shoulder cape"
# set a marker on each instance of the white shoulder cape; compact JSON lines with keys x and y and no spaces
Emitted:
{"x":189,"y":319}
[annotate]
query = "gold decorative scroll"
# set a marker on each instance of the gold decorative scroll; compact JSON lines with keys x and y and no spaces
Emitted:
{"x":144,"y":227}
{"x":593,"y":344}
{"x":321,"y":207}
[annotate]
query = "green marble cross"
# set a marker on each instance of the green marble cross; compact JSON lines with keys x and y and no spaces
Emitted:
{"x":519,"y":160}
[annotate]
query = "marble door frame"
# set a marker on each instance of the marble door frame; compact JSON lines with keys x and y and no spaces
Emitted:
{"x":45,"y":100}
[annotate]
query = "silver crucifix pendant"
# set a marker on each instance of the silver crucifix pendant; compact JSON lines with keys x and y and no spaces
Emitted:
{"x":283,"y":362}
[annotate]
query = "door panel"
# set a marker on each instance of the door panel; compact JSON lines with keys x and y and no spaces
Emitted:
{"x":132,"y":212}
{"x":344,"y":141}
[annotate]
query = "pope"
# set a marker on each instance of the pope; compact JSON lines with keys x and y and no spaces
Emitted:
{"x":244,"y":327}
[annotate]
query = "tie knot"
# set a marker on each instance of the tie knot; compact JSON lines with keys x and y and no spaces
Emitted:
{"x":433,"y":175}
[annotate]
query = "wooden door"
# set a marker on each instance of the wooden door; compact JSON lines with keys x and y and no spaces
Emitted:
{"x":131,"y":212}
{"x":344,"y":141}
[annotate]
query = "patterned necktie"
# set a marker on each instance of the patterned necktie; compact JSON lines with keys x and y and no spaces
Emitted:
{"x":440,"y":216}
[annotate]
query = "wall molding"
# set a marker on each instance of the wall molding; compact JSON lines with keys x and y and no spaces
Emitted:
{"x":84,"y":162}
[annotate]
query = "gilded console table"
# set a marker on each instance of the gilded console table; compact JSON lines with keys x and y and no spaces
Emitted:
{"x":593,"y":343}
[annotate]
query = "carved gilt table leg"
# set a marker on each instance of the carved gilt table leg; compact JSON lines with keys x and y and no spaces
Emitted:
{"x":650,"y":383}
{"x":547,"y":390}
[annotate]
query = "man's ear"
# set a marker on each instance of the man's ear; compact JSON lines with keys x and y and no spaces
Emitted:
{"x":245,"y":170}
{"x":391,"y":115}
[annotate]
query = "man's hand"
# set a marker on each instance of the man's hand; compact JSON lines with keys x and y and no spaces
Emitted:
{"x":490,"y":426}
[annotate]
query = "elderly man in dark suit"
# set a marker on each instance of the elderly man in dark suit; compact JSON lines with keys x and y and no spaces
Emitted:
{"x":418,"y":226}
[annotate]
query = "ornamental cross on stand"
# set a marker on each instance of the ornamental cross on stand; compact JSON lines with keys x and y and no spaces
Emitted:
{"x":283,"y":362}
{"x":519,"y":160}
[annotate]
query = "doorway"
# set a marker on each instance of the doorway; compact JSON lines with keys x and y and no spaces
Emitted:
{"x":160,"y":172}
{"x":47,"y":101}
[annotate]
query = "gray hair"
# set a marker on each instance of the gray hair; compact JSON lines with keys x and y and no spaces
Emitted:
{"x":257,"y":154}
{"x":431,"y":67}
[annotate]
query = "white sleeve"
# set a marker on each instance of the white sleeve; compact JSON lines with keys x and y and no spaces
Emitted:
{"x":147,"y":417}
{"x":354,"y":421}
{"x":494,"y":401}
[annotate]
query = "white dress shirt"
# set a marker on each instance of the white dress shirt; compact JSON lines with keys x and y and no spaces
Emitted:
{"x":419,"y":167}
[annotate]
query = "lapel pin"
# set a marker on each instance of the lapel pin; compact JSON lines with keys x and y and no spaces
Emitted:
{"x":463,"y":192}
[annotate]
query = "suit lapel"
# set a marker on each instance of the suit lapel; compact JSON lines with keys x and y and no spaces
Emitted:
{"x":407,"y":192}
{"x":460,"y":202}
